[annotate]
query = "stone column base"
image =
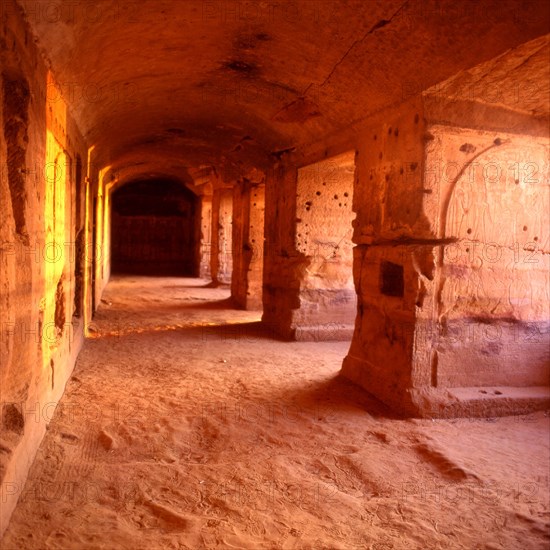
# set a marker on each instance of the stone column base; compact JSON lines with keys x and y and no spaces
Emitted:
{"x":458,"y":402}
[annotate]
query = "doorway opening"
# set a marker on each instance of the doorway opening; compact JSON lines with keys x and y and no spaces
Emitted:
{"x":154,"y":229}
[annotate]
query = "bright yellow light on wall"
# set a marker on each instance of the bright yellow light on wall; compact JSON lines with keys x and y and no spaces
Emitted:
{"x":56,"y":233}
{"x":102,"y":226}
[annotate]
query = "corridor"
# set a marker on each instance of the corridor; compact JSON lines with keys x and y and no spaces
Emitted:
{"x":274,"y":274}
{"x":187,"y":425}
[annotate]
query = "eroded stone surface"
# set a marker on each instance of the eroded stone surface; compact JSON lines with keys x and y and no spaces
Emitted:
{"x":427,"y":122}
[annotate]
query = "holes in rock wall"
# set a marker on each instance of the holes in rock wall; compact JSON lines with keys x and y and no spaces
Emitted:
{"x":242,"y":67}
{"x":12,"y":419}
{"x":391,"y":279}
{"x":59,"y":307}
{"x":467,"y":148}
{"x":16,"y":97}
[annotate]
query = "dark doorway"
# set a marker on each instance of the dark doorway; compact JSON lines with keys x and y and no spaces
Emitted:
{"x":153,"y":229}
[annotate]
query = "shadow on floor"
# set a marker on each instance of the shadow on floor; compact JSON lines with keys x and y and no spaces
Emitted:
{"x":337,"y":394}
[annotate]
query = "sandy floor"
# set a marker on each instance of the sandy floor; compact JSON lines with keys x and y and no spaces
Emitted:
{"x":179,"y":430}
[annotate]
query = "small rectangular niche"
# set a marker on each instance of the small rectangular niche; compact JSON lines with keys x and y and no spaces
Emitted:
{"x":391,"y":279}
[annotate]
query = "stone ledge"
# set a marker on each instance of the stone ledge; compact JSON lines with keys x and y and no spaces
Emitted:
{"x":453,"y":402}
{"x":501,"y":400}
{"x":479,"y":402}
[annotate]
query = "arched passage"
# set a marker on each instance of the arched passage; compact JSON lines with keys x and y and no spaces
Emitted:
{"x":154,"y":229}
{"x":234,"y":99}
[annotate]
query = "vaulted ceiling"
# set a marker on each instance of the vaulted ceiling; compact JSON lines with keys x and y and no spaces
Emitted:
{"x":187,"y":83}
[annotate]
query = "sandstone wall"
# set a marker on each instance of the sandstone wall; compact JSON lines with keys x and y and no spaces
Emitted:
{"x":43,"y":254}
{"x":451,"y":263}
{"x":221,"y":250}
{"x":394,"y":243}
{"x":308,"y":290}
{"x":491,"y":290}
{"x":205,"y":236}
{"x":248,"y":245}
{"x":282,"y":262}
{"x":323,"y":235}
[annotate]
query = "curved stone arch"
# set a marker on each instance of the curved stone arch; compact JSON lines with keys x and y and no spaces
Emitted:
{"x":129,"y":175}
{"x":507,"y":180}
{"x":496,"y":212}
{"x":121,"y":183}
